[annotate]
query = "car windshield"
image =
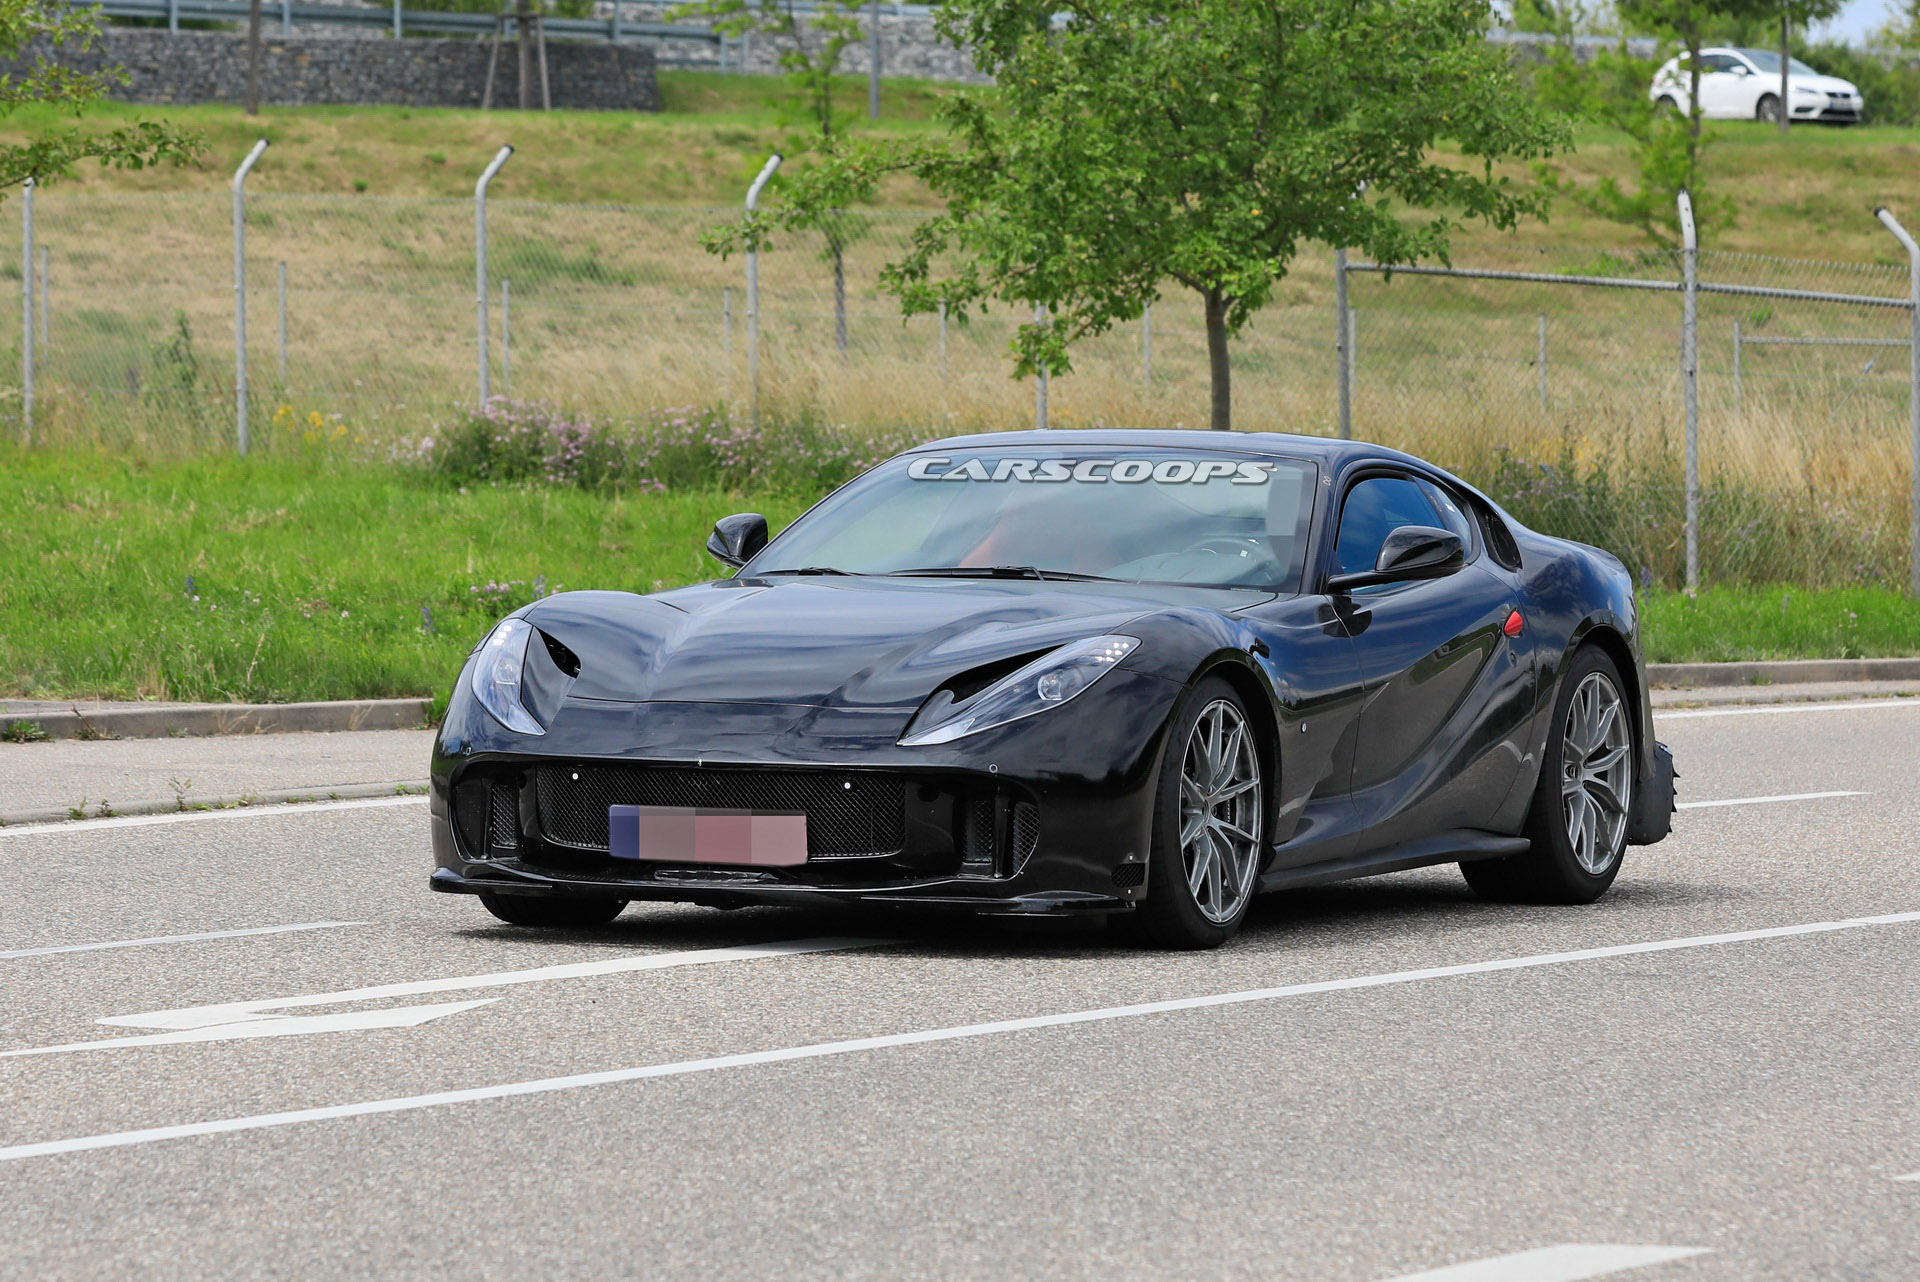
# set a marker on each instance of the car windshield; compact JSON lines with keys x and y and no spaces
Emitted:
{"x":1134,"y":515}
{"x":1769,"y":62}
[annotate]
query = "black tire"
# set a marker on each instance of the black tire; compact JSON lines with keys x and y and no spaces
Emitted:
{"x":1667,"y":106}
{"x":1171,"y":916}
{"x":1767,"y":109}
{"x":527,"y":910}
{"x":1552,"y":871}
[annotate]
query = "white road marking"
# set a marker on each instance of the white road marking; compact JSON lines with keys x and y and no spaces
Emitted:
{"x":1761,"y":801}
{"x":1914,"y":1176}
{"x":265,"y":810}
{"x":820,"y":1050}
{"x":274,"y":1026}
{"x":1782,"y":709}
{"x":1568,"y":1263}
{"x":228,"y":1012}
{"x":177,"y":939}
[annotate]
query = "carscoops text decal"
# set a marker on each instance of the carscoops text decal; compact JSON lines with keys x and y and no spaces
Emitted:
{"x":1125,"y":471}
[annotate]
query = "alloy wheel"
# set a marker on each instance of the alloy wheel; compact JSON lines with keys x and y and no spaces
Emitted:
{"x":1596,"y":775}
{"x":1220,"y":812}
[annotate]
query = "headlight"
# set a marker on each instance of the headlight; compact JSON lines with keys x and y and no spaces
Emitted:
{"x":497,"y":670}
{"x":1047,"y":682}
{"x":1811,"y":93}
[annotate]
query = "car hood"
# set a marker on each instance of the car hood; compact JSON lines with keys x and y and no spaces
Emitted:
{"x":1825,"y":84}
{"x":827,"y":642}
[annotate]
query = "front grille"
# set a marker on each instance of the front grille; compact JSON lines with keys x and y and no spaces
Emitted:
{"x":849,"y":814}
{"x":504,"y":832}
{"x":1026,"y":832}
{"x":976,"y":836}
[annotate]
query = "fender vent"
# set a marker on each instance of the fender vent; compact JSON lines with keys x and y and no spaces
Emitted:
{"x":1128,"y":876}
{"x":503,"y":832}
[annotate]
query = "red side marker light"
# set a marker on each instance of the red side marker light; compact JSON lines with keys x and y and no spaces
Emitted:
{"x":1514,"y":624}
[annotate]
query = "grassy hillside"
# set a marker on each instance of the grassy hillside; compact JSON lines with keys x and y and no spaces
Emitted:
{"x":1810,"y":194}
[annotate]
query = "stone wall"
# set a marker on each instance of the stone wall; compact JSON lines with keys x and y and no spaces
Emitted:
{"x":300,"y":70}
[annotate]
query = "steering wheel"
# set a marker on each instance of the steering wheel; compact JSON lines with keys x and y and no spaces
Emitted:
{"x":1222,"y":545}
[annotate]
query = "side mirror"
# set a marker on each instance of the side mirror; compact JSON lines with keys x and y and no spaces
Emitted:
{"x":738,"y":538}
{"x":1409,"y":552}
{"x":1738,"y":70}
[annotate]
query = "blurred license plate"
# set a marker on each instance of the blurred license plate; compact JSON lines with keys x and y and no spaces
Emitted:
{"x":698,"y":835}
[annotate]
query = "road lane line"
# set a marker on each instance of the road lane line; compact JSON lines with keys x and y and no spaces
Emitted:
{"x":819,"y":1050}
{"x":1914,"y":1176}
{"x":177,"y":939}
{"x":1567,"y":1263}
{"x":1767,"y":709}
{"x":228,"y":1012}
{"x":266,"y":810}
{"x":1761,"y":801}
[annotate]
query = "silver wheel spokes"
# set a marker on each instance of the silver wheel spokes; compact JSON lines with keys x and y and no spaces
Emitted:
{"x":1220,"y":811}
{"x":1596,"y":774}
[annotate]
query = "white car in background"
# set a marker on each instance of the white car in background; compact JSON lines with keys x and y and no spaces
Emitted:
{"x":1744,"y":84}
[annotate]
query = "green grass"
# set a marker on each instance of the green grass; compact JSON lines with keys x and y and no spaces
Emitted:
{"x":1729,"y":625}
{"x":309,"y":578}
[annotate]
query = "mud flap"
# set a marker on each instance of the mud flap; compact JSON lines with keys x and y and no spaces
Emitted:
{"x":1653,"y":806}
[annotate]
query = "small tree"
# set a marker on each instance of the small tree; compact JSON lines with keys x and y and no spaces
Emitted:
{"x":54,"y":151}
{"x":1801,"y":14}
{"x":812,"y":45}
{"x":1201,"y":143}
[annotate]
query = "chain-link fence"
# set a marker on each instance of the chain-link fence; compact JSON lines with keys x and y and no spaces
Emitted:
{"x":1566,"y":402}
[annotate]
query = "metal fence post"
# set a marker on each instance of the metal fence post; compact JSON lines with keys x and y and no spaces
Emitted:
{"x":1739,"y":393}
{"x":1540,"y":363}
{"x":1040,"y":382}
{"x":396,"y":19}
{"x":286,"y":17}
{"x":283,"y":324}
{"x":1690,"y":379}
{"x":1342,"y":336}
{"x":173,"y":15}
{"x":1146,"y":346}
{"x":753,"y":290}
{"x":1913,"y":391}
{"x":506,"y":332}
{"x":240,"y":290}
{"x":26,"y":310}
{"x":480,"y":265}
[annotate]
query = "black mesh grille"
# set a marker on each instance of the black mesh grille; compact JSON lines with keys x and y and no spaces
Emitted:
{"x":1127,"y":876}
{"x":849,"y":814}
{"x":504,"y":829}
{"x":1026,"y":832}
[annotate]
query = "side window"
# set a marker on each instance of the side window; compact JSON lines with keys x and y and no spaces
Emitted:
{"x":1375,"y":507}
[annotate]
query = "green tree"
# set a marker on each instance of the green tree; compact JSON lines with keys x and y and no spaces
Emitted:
{"x":1201,"y":143}
{"x":50,"y":152}
{"x":1799,"y":14}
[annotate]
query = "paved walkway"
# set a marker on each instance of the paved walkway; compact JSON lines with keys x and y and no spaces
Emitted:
{"x":123,"y":773}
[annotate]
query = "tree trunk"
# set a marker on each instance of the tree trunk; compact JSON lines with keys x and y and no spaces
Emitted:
{"x":1693,"y":105}
{"x":840,"y":301}
{"x":523,"y":28}
{"x":1220,"y":372}
{"x":253,"y":58}
{"x":1785,"y":124}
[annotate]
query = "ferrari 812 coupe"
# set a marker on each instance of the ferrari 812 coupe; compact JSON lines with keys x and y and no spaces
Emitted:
{"x":1132,"y":673}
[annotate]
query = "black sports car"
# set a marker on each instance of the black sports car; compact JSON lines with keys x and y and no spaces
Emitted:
{"x":1135,"y":673}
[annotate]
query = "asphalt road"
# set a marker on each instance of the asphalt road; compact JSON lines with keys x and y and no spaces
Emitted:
{"x":1738,"y":1102}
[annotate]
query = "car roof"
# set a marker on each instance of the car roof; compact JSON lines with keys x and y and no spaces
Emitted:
{"x":1328,"y":451}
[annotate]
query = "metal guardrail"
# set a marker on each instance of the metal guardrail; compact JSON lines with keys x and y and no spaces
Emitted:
{"x":400,"y":20}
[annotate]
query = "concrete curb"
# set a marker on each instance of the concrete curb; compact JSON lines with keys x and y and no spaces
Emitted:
{"x":1781,"y":672}
{"x":178,"y":720}
{"x":288,"y":796}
